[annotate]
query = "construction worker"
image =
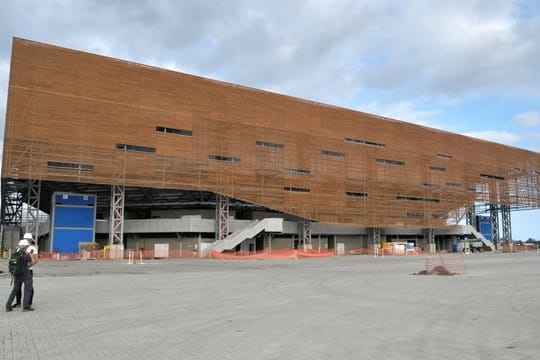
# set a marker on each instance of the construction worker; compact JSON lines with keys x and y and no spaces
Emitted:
{"x":33,"y":252}
{"x":21,"y":276}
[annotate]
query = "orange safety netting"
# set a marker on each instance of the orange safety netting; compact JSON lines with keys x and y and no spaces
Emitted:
{"x":273,"y":255}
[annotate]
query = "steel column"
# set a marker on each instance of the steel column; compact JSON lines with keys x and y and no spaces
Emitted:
{"x":471,"y":216}
{"x":32,"y":222}
{"x":506,"y":223}
{"x":222,"y":217}
{"x":116,"y":223}
{"x":494,"y":220}
{"x":306,"y":233}
{"x":376,"y":234}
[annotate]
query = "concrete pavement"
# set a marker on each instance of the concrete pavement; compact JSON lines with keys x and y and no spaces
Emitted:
{"x":353,"y":307}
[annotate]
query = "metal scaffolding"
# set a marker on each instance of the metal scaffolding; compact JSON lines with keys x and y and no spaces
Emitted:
{"x":222,"y":217}
{"x":471,"y":216}
{"x":376,"y":234}
{"x":306,"y":233}
{"x":34,"y":195}
{"x":12,"y":202}
{"x":116,"y":231}
{"x":506,"y":223}
{"x":494,"y":220}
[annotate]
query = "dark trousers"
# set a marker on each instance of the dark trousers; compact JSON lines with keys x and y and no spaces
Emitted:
{"x":18,"y":296}
{"x":18,"y":281}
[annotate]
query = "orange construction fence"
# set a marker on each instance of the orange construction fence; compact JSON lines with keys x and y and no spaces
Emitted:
{"x":274,"y":255}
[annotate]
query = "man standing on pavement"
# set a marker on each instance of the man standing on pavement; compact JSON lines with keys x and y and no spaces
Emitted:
{"x":22,"y":276}
{"x":33,"y":252}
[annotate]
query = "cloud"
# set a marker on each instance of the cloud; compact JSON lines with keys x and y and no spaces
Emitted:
{"x":527,"y":119}
{"x":501,"y":137}
{"x":423,"y":49}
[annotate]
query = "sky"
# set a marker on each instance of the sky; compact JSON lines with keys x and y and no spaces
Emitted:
{"x":465,"y":66}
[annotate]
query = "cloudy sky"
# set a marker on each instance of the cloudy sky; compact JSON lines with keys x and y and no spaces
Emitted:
{"x":466,"y":66}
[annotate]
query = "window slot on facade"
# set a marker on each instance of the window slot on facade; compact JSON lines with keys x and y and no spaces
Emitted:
{"x":430,"y":186}
{"x":451,"y":184}
{"x":166,"y":130}
{"x":364,"y":142}
{"x":70,"y":166}
{"x":414,"y":198}
{"x":471,"y":190}
{"x":297,"y":171}
{"x":333,"y":153}
{"x":231,"y":159}
{"x":444,"y":156}
{"x":135,"y":148}
{"x":487,"y":176}
{"x":437,"y":168}
{"x":356,"y":194}
{"x":269,"y":145}
{"x":439,"y":216}
{"x":391,"y":162}
{"x":296,"y":189}
{"x":415,"y":214}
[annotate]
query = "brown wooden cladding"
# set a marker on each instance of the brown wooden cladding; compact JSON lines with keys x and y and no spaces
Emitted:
{"x":320,"y":162}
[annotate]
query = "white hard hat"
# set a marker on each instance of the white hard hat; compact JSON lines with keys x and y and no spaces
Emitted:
{"x":28,"y":236}
{"x":24,"y":242}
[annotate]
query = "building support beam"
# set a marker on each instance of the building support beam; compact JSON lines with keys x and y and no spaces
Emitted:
{"x":494,"y":220}
{"x":34,"y":194}
{"x":306,"y":234}
{"x":471,"y":216}
{"x":116,"y":222}
{"x":222,"y":217}
{"x":376,"y":237}
{"x":429,"y":239}
{"x":506,"y":224}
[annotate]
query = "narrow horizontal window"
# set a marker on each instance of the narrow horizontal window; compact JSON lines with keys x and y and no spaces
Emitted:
{"x":269,"y":145}
{"x":135,"y":148}
{"x":437,"y":168}
{"x":333,"y":153}
{"x":451,"y":184}
{"x":439,"y":216}
{"x":430,"y":186}
{"x":415,"y":214}
{"x":297,"y":171}
{"x":444,"y":156}
{"x":471,"y":190}
{"x":167,"y":130}
{"x":364,"y":142}
{"x":296,"y":189}
{"x":414,"y":198}
{"x":70,"y":166}
{"x":391,"y":162}
{"x":496,"y":177}
{"x":231,"y":159}
{"x":356,"y":194}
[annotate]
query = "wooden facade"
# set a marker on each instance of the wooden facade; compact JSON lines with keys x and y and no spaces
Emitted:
{"x":83,"y":118}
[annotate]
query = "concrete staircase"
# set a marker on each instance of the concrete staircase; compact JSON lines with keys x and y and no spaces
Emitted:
{"x":480,"y":237}
{"x":253,"y":229}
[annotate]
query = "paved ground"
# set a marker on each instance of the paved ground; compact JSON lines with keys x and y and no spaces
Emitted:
{"x":352,"y":307}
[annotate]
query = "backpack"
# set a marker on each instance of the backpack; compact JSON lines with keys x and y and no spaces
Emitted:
{"x":18,"y":263}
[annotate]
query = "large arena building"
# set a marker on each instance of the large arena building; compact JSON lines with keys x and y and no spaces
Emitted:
{"x":116,"y":152}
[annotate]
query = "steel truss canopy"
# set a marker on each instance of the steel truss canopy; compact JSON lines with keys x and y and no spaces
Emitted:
{"x":82,"y":122}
